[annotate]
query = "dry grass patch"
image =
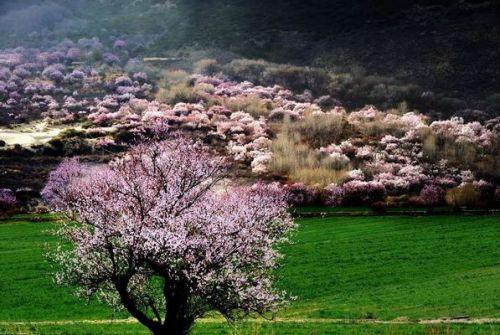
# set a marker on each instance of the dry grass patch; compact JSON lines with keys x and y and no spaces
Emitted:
{"x":297,"y":160}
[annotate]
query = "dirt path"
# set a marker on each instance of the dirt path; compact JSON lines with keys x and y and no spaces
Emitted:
{"x":402,"y":320}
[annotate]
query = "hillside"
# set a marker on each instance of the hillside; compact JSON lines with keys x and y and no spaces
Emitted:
{"x":449,"y":48}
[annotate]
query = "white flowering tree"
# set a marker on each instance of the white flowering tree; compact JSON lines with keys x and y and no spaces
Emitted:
{"x":153,"y":236}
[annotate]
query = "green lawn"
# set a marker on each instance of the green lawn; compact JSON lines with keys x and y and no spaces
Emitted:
{"x":387,"y":267}
{"x":343,"y":267}
{"x":265,"y":329}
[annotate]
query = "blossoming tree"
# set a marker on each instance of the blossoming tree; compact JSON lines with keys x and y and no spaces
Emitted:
{"x":153,"y":234}
{"x":7,"y":200}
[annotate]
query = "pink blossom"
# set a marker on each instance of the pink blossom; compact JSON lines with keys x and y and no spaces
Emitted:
{"x":363,"y":192}
{"x":300,"y":194}
{"x":395,"y":184}
{"x":356,"y":175}
{"x":260,"y":162}
{"x":7,"y":199}
{"x":431,"y":195}
{"x":119,"y":44}
{"x":365,"y":152}
{"x":334,"y":195}
{"x":59,"y":190}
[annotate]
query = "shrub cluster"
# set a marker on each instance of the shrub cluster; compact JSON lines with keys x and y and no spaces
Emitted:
{"x":66,"y":82}
{"x":319,"y":150}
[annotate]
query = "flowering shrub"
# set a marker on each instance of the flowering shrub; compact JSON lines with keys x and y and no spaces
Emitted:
{"x":300,"y":194}
{"x":268,"y":129}
{"x":431,"y":195}
{"x":397,"y":161}
{"x":119,"y":44}
{"x":393,"y":183}
{"x":8,"y":200}
{"x":461,"y":132}
{"x":334,"y":195}
{"x":34,"y":83}
{"x":58,"y":189}
{"x":355,"y":175}
{"x":363,"y":192}
{"x":484,"y":189}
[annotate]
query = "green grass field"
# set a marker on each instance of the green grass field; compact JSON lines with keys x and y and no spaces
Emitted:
{"x":383,"y":268}
{"x":265,"y":329}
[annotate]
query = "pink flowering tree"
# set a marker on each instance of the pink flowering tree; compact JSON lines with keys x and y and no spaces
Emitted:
{"x":152,"y":232}
{"x":7,"y":200}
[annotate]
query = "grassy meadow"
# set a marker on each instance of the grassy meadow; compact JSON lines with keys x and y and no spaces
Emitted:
{"x":265,"y":329}
{"x":354,"y":268}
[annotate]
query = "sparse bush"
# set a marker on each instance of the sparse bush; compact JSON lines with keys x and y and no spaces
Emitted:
{"x":173,"y":77}
{"x":299,"y":79}
{"x":251,"y":104}
{"x":461,"y":154}
{"x":124,"y":136}
{"x":496,"y":195}
{"x":245,"y":69}
{"x":292,"y":158}
{"x":207,"y":67}
{"x":293,"y":77}
{"x":76,"y":146}
{"x":178,"y":93}
{"x":430,"y":145}
{"x":69,"y":146}
{"x":402,"y":200}
{"x":318,"y":177}
{"x":462,"y":196}
{"x":379,"y":207}
{"x":320,"y":130}
{"x":485,"y":190}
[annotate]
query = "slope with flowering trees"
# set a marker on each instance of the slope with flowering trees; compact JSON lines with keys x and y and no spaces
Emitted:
{"x":312,"y":145}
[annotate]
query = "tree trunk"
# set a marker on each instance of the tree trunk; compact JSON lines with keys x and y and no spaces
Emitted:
{"x":174,"y":326}
{"x":178,"y":319}
{"x":175,"y":329}
{"x":129,"y":303}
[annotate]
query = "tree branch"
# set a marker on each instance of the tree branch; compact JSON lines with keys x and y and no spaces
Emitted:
{"x":121,"y":285}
